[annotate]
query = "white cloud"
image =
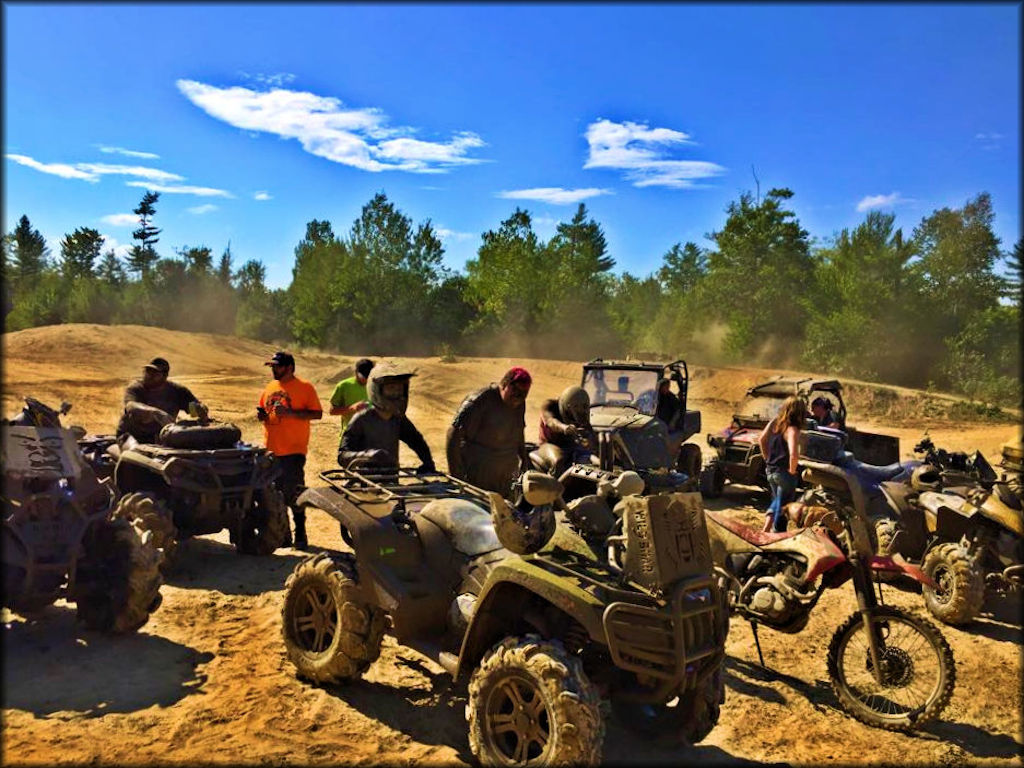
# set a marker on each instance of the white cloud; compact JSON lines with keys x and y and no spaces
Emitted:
{"x":112,"y":243}
{"x":553,"y":195}
{"x":988,"y":136}
{"x":121,"y":219}
{"x":199,"y":210}
{"x":128,"y":152}
{"x":262,"y":196}
{"x":63,"y":170}
{"x":451,"y":235}
{"x":128,"y":170}
{"x":881,"y":201}
{"x":642,"y":152}
{"x":326,"y":128}
{"x":183,"y":189}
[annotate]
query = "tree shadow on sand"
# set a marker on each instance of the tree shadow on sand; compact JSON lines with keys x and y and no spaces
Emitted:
{"x":403,"y":709}
{"x":204,"y":563}
{"x":51,"y":664}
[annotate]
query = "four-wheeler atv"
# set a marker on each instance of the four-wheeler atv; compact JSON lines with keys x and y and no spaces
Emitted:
{"x":58,"y":537}
{"x":200,"y":478}
{"x":518,"y":607}
{"x":623,"y":403}
{"x":737,"y":452}
{"x":963,"y":523}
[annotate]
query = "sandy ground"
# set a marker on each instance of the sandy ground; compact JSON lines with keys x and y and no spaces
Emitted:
{"x":207,"y":681}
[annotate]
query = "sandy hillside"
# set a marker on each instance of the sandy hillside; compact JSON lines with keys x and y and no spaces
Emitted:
{"x":206,"y":680}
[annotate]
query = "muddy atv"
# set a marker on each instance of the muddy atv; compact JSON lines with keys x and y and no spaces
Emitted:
{"x":199,"y":478}
{"x":738,"y":456}
{"x":539,"y":639}
{"x":623,"y":404}
{"x":59,"y":540}
{"x":962,"y":521}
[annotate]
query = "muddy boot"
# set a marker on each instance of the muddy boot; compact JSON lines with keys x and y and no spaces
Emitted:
{"x":299,"y":515}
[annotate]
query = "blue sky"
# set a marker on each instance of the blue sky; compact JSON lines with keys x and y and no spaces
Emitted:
{"x":254,"y":119}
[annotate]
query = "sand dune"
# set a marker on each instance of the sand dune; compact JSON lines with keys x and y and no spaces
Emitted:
{"x":207,"y":680}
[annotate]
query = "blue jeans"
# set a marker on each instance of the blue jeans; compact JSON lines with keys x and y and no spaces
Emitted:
{"x":783,"y":487}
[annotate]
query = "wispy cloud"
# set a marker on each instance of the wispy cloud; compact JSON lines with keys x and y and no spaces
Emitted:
{"x":128,"y":152}
{"x":181,"y":189}
{"x":199,"y":210}
{"x":643,"y":153}
{"x":93,"y":171}
{"x":142,"y":172}
{"x":553,"y":195}
{"x":359,"y":138}
{"x":63,"y":170}
{"x":121,"y":219}
{"x":989,"y":140}
{"x":881,"y":201}
{"x":451,"y":235}
{"x":273,"y":81}
{"x":262,"y":196}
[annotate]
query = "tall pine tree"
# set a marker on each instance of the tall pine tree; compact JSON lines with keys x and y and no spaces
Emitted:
{"x":143,"y":255}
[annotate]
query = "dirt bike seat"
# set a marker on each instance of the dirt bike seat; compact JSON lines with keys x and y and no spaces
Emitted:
{"x":748,"y":534}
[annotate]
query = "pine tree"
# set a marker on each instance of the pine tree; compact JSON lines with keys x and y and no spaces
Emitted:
{"x":224,"y":266}
{"x":28,"y":252}
{"x":79,"y":251}
{"x":143,"y":255}
{"x":110,"y":269}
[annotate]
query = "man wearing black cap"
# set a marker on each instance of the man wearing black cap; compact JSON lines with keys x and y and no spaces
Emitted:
{"x":349,"y":396}
{"x":151,"y":402}
{"x":286,"y":407}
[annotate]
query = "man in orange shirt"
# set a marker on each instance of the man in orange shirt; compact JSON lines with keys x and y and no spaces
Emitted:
{"x":286,"y":407}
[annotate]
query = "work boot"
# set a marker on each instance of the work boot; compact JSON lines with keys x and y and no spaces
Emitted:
{"x":301,"y":543}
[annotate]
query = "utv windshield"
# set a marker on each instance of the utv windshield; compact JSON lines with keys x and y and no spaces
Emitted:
{"x":761,"y":408}
{"x":633,"y":389}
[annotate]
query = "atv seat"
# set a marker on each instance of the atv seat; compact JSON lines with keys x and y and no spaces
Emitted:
{"x":748,"y":534}
{"x":467,"y":525}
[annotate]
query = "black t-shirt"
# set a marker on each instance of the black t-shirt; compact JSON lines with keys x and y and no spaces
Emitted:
{"x":668,"y":408}
{"x":168,"y":397}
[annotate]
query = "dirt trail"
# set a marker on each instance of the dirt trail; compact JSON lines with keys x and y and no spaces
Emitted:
{"x":207,"y":679}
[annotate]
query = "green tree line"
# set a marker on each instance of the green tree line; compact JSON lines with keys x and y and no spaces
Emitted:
{"x":927,"y":309}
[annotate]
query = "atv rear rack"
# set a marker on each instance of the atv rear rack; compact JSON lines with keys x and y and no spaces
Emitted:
{"x":396,"y":484}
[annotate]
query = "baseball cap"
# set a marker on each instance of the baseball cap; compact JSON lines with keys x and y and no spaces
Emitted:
{"x":159,"y":364}
{"x":281,"y":358}
{"x":519,"y":375}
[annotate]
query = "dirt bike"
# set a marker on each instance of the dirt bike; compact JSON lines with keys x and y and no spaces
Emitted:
{"x":58,"y":536}
{"x":963,"y":524}
{"x":888,"y":668}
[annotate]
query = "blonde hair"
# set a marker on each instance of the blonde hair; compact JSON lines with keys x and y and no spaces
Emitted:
{"x":792,"y":413}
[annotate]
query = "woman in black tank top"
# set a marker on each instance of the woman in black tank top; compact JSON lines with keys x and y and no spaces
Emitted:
{"x":780,"y":441}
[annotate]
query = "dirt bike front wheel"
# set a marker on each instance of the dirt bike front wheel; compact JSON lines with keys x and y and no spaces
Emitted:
{"x":917,"y":676}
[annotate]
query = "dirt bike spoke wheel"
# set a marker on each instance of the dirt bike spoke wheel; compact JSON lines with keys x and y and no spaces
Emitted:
{"x":917,"y":672}
{"x":518,"y":721}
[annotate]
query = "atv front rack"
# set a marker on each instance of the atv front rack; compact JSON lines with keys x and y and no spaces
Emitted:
{"x":400,"y":485}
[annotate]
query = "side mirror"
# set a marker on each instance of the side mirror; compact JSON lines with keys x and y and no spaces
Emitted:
{"x":540,"y":489}
{"x":65,"y":406}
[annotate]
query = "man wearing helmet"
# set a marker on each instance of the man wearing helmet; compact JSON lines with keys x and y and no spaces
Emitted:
{"x":565,"y":429}
{"x":485,"y":444}
{"x":373,"y":434}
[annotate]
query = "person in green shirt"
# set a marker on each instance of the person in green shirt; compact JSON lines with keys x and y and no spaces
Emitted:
{"x":349,"y":396}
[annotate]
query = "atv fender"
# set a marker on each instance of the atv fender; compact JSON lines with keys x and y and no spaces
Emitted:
{"x":508,"y":588}
{"x":896,"y":564}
